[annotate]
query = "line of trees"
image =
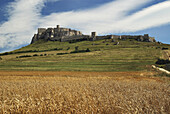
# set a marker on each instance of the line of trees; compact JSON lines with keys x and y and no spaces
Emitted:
{"x":75,"y":51}
{"x":30,"y":51}
{"x":162,"y":62}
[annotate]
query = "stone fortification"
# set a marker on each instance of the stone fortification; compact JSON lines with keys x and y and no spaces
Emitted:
{"x":56,"y":34}
{"x":66,"y":35}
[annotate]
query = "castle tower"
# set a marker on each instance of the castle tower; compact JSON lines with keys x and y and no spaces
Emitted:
{"x":58,"y":26}
{"x":41,"y":30}
{"x":146,"y":36}
{"x":93,"y":35}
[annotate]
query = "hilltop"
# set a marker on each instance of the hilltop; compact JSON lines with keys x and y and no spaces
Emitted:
{"x":64,"y":49}
{"x":99,"y":55}
{"x":46,"y":71}
{"x":69,"y":35}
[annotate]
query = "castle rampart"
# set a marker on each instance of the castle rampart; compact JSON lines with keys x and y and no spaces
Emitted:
{"x":67,"y":34}
{"x":41,"y":30}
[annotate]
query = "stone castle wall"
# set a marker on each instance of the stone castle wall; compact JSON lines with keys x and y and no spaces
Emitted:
{"x":66,"y":35}
{"x":56,"y":34}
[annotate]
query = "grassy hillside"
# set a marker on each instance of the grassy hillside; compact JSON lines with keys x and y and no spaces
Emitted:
{"x":104,"y":55}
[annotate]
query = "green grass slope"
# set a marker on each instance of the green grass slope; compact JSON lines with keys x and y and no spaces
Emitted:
{"x":104,"y":55}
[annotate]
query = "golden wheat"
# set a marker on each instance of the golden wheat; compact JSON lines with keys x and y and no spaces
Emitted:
{"x":68,"y":94}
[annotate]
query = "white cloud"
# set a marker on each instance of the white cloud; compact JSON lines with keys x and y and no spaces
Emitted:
{"x":113,"y":17}
{"x":100,"y":19}
{"x":24,"y":16}
{"x":150,"y":17}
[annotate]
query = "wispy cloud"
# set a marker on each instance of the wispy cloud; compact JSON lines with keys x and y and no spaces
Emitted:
{"x":25,"y":17}
{"x":102,"y":19}
{"x":152,"y":16}
{"x":113,"y":17}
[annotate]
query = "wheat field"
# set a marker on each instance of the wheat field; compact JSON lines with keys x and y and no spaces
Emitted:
{"x":83,"y":92}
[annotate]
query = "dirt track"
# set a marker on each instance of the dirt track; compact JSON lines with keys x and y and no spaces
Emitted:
{"x":70,"y":73}
{"x":116,"y":75}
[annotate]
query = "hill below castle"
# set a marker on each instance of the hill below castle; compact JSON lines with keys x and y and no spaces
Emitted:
{"x":116,"y":77}
{"x":107,"y":54}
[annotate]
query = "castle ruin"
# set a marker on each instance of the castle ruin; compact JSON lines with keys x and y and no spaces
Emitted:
{"x":67,"y":34}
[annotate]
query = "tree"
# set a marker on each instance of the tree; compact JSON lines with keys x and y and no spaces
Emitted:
{"x":68,"y":48}
{"x":76,"y":48}
{"x":87,"y":50}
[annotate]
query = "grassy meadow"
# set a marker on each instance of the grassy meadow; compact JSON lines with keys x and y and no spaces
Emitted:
{"x":104,"y":55}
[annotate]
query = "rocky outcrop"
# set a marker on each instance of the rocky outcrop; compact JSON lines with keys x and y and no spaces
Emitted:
{"x":167,"y":67}
{"x":67,"y":34}
{"x":161,"y":69}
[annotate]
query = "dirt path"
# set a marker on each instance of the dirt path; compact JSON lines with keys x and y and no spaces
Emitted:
{"x":125,"y":76}
{"x":71,"y":73}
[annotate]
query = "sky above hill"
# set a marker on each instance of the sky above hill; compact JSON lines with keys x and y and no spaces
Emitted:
{"x":19,"y":19}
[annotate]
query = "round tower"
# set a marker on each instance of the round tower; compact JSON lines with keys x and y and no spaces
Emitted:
{"x":93,"y":34}
{"x":58,"y":26}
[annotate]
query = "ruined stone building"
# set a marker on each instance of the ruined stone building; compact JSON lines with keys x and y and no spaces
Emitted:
{"x":66,"y":35}
{"x":56,"y":34}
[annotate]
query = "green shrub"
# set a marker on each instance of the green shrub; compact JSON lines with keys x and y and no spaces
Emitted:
{"x":162,"y":61}
{"x":164,"y":48}
{"x":55,"y":49}
{"x":35,"y":55}
{"x":6,"y":53}
{"x":24,"y":56}
{"x":87,"y":50}
{"x":79,"y":51}
{"x":76,"y":48}
{"x":68,"y":48}
{"x":29,"y":51}
{"x":61,"y":53}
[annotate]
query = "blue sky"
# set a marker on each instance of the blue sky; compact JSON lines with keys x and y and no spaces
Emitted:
{"x":19,"y":19}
